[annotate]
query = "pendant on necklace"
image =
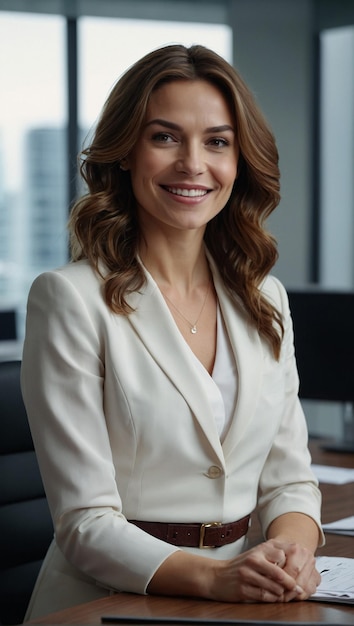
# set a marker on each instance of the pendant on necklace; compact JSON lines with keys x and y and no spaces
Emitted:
{"x":194,"y":329}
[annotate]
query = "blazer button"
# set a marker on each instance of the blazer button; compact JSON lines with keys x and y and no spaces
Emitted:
{"x":214,"y":472}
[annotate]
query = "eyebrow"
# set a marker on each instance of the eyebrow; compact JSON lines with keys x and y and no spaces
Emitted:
{"x":173,"y":126}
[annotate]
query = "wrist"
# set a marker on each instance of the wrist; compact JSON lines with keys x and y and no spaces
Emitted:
{"x":295,"y":528}
{"x":184,"y":574}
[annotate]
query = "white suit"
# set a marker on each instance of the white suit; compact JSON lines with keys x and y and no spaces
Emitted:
{"x":123,"y":430}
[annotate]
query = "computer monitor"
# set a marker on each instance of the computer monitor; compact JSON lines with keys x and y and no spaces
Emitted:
{"x":8,"y":325}
{"x":324,"y":345}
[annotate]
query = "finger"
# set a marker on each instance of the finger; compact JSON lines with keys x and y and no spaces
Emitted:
{"x":280,"y":576}
{"x":309,"y":579}
{"x":275,"y":553}
{"x":296,"y":561}
{"x":269,"y":577}
{"x":306,"y":586}
{"x":305,"y":573}
{"x":267,"y":596}
{"x":265,"y":557}
{"x":281,"y":562}
{"x":291,"y":596}
{"x":259,"y":595}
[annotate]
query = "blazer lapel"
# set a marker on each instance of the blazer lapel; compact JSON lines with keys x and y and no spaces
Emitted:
{"x":157,"y":330}
{"x":248,"y":351}
{"x":155,"y":326}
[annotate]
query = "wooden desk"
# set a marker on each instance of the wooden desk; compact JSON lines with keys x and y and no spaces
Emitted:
{"x":338,"y":501}
{"x":125,"y":604}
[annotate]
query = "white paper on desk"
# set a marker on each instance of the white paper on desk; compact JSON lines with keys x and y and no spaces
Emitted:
{"x":343,"y":526}
{"x":337,"y":583}
{"x":333,"y":475}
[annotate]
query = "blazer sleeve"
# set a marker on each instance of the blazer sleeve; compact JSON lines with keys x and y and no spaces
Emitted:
{"x":62,"y":384}
{"x":287,"y":482}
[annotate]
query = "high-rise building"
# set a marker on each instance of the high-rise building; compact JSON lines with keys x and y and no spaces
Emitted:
{"x":10,"y":242}
{"x":47,"y":202}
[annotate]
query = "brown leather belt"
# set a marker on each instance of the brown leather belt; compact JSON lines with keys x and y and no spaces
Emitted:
{"x":210,"y":535}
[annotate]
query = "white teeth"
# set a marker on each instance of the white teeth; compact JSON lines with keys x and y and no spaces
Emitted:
{"x":189,"y":193}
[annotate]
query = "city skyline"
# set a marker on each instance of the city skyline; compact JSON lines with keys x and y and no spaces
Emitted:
{"x":33,"y":120}
{"x":35,"y":84}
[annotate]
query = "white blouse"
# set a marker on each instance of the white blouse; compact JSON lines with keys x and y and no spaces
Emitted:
{"x":222,"y":385}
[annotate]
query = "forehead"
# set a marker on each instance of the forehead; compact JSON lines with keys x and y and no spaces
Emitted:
{"x":194,"y":97}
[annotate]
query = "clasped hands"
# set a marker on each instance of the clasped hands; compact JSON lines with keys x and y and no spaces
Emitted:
{"x":273,"y":571}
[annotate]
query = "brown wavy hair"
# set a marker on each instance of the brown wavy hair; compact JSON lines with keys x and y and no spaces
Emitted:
{"x":104,"y":226}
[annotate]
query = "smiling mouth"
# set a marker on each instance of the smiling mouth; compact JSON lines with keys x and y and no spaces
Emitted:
{"x":187,"y":193}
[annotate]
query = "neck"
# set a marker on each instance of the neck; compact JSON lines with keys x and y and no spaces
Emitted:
{"x":179,"y":266}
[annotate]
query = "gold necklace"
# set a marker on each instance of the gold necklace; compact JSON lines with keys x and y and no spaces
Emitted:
{"x":193,"y":327}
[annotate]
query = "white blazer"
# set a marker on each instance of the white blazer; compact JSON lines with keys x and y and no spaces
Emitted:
{"x":123,"y":429}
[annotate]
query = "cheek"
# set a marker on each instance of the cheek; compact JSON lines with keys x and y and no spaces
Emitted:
{"x":147,"y":169}
{"x":228,"y":173}
{"x":225,"y":168}
{"x":139,"y":172}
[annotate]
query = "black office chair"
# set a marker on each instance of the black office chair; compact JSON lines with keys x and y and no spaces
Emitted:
{"x":26,"y":528}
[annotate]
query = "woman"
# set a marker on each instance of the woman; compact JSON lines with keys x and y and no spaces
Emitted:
{"x":158,"y":368}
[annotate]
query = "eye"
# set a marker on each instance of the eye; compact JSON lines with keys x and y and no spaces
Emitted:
{"x":162,"y":137}
{"x":218,"y":142}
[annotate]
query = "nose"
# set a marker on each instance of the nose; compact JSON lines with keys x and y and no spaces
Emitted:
{"x":190,"y":160}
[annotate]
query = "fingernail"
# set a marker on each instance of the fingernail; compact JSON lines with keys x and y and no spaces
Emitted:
{"x":299,"y":589}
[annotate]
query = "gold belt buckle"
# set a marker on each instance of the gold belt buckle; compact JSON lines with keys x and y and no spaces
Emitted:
{"x":203,"y":528}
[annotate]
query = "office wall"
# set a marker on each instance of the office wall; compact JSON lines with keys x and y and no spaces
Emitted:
{"x":275,"y":48}
{"x":273,"y":51}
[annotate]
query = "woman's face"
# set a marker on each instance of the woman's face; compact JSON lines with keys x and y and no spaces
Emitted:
{"x":184,"y":164}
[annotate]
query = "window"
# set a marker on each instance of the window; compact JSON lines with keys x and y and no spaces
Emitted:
{"x":107,"y":47}
{"x":337,"y":158}
{"x":34,"y":185}
{"x":32,"y":148}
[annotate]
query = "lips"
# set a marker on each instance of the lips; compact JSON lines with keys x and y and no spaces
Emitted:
{"x":187,"y":193}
